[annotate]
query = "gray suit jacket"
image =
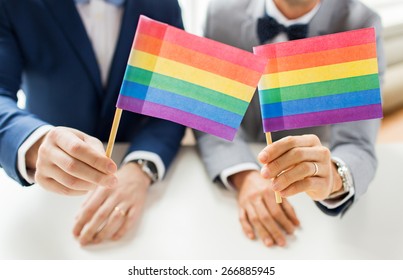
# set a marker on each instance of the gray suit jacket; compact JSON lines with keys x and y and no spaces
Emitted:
{"x":234,"y":22}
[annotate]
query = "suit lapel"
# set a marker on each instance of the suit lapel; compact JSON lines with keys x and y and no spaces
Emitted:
{"x":67,"y":17}
{"x":122,"y":51}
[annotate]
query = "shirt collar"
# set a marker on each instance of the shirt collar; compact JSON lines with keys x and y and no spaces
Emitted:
{"x":113,"y":2}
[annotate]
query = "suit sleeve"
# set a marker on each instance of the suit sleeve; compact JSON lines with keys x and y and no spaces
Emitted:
{"x":159,"y":136}
{"x":219,"y":154}
{"x":15,"y":124}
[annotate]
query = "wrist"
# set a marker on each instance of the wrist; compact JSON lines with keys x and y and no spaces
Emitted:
{"x":133,"y":174}
{"x":241,"y":178}
{"x":31,"y":156}
{"x":148,"y":169}
{"x":337,"y":181}
{"x":343,"y":180}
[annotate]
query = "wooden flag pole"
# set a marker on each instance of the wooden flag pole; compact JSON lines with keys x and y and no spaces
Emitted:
{"x":270,"y":141}
{"x":114,"y":131}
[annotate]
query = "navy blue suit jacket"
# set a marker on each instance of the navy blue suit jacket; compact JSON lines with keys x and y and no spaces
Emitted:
{"x":45,"y":50}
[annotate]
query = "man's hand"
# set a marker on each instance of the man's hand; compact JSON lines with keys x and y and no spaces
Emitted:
{"x":108,"y":214}
{"x":290,"y":162}
{"x":70,"y":162}
{"x":259,"y":212}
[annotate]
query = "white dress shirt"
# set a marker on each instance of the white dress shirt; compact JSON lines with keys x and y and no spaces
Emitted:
{"x":102,"y":21}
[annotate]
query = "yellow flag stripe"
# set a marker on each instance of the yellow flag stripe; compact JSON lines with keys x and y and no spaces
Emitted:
{"x":190,"y":74}
{"x":319,"y":74}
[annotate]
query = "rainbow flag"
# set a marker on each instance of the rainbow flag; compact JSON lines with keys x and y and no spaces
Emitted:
{"x":188,"y":79}
{"x":321,"y":80}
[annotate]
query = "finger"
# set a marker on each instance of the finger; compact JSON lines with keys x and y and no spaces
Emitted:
{"x":69,"y":181}
{"x":80,"y":170}
{"x":132,"y":216}
{"x":257,"y":225}
{"x":54,"y":186}
{"x":291,"y":158}
{"x":77,"y":148}
{"x":113,"y":224}
{"x":88,"y":210}
{"x":94,"y":143}
{"x":275,"y":150}
{"x":297,"y":173}
{"x":246,"y":226}
{"x":305,"y":185}
{"x":98,"y":221}
{"x":269,"y":223}
{"x":277,"y":212}
{"x":290,"y":212}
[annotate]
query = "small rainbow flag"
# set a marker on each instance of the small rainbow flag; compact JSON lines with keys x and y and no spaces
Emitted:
{"x":187,"y":79}
{"x":321,"y":80}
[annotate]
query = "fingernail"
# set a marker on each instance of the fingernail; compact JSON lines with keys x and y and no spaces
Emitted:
{"x":251,"y":236}
{"x":265,"y":172}
{"x":268,"y":242}
{"x":111,"y":168}
{"x":262,"y":157}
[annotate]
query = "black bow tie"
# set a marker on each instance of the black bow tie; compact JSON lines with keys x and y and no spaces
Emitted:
{"x":268,"y":28}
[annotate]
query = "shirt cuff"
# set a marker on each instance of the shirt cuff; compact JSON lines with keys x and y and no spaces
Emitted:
{"x":337,"y":202}
{"x":29,"y":175}
{"x":226,"y":173}
{"x":153,"y":157}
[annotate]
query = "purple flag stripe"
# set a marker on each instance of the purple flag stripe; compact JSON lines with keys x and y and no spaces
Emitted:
{"x":323,"y":118}
{"x":175,"y":115}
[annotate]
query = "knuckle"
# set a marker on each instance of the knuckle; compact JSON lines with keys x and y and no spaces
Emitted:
{"x":102,"y":216}
{"x":98,"y":179}
{"x":115,"y":217}
{"x":307,"y":182}
{"x":254,"y":219}
{"x":43,"y":151}
{"x":38,"y":177}
{"x":298,"y":153}
{"x":314,"y":138}
{"x":276,"y":213}
{"x":87,"y":215}
{"x":289,"y":140}
{"x":325,"y":152}
{"x":275,"y":166}
{"x":265,"y":217}
{"x":70,"y":165}
{"x":74,"y":183}
{"x":307,"y":167}
{"x":96,"y":162}
{"x":54,"y":134}
{"x":284,"y":179}
{"x":75,"y":147}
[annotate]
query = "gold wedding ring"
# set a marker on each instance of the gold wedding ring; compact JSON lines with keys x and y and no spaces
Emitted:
{"x":121,"y":212}
{"x":316,"y":169}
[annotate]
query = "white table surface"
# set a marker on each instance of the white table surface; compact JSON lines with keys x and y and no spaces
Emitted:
{"x":188,"y":217}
